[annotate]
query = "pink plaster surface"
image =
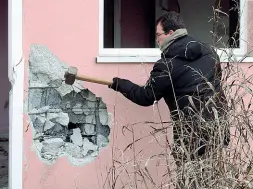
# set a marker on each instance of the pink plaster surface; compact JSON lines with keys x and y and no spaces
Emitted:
{"x":70,"y":30}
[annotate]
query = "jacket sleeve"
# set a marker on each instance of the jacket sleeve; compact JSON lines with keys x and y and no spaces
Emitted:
{"x":157,"y":85}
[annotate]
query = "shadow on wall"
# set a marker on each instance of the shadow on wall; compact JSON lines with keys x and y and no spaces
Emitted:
{"x":66,"y":120}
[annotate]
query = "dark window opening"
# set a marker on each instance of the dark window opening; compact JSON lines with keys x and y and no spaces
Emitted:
{"x":131,"y":23}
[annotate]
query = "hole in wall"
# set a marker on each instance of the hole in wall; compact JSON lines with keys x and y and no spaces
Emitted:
{"x":66,"y":120}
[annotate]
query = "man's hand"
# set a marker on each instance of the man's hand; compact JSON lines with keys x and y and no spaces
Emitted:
{"x":115,"y":83}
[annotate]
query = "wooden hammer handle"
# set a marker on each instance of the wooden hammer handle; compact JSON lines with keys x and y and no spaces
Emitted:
{"x":93,"y":80}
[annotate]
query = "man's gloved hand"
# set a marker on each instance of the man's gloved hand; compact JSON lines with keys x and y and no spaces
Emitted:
{"x":115,"y":84}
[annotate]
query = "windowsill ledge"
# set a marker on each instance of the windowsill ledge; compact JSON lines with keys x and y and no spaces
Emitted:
{"x":153,"y":59}
{"x":127,"y":59}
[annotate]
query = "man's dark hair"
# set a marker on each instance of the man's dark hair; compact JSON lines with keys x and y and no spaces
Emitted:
{"x":170,"y":21}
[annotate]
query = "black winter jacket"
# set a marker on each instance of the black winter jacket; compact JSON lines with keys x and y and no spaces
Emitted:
{"x":186,"y":68}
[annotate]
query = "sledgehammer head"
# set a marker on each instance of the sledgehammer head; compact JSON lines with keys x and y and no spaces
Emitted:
{"x":70,"y":75}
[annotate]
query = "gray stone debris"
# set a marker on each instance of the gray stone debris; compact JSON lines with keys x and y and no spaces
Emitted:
{"x":76,"y":137}
{"x":73,"y":150}
{"x":88,"y":129}
{"x":67,"y":120}
{"x":52,"y":116}
{"x":103,"y":116}
{"x":88,"y":146}
{"x":52,"y":146}
{"x":102,"y":141}
{"x":48,"y":125}
{"x":63,"y":119}
{"x":64,"y":89}
{"x":77,"y":109}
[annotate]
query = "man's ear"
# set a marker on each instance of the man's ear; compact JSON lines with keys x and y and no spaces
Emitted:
{"x":171,"y":32}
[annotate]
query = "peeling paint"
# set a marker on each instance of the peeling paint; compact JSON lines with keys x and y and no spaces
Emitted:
{"x":66,"y":120}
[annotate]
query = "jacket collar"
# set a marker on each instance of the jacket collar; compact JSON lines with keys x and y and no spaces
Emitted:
{"x":168,"y":41}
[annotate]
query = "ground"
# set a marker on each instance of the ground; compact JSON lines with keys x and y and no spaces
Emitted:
{"x":4,"y":152}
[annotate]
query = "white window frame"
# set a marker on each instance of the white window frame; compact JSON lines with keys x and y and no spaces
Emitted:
{"x":16,"y":78}
{"x":151,"y":55}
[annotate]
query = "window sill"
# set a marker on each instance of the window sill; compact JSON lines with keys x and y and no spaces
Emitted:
{"x":127,"y":59}
{"x":153,"y":59}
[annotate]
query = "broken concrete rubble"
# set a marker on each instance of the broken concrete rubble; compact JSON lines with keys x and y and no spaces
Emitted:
{"x":67,"y":120}
{"x":88,"y":129}
{"x":76,"y":137}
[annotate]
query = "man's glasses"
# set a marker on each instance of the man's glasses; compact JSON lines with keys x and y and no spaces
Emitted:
{"x":158,"y":34}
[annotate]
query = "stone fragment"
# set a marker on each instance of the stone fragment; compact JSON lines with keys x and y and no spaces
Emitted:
{"x":90,"y":119}
{"x":102,"y":141}
{"x":32,"y":118}
{"x":91,"y":96}
{"x":52,"y":98}
{"x":40,"y":110}
{"x":88,"y":146}
{"x":33,"y":80}
{"x":55,"y":110}
{"x":76,"y":137}
{"x":35,"y":99}
{"x":103,"y":116}
{"x":56,"y":130}
{"x":76,"y":118}
{"x":88,"y":129}
{"x":103,"y":129}
{"x":102,"y":105}
{"x":43,"y":78}
{"x":37,"y":84}
{"x":76,"y":88}
{"x":48,"y":125}
{"x":87,"y":95}
{"x":91,"y":104}
{"x":55,"y":83}
{"x":77,"y":109}
{"x":39,"y":135}
{"x":51,"y":116}
{"x":52,"y":146}
{"x":64,"y":89}
{"x":86,"y":111}
{"x":66,"y":105}
{"x":49,"y":156}
{"x":73,"y":150}
{"x":94,"y":154}
{"x":39,"y":123}
{"x":63,"y":119}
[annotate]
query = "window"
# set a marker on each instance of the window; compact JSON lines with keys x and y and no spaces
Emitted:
{"x":127,"y":27}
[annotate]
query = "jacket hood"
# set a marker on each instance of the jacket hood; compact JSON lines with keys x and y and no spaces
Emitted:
{"x":186,"y":48}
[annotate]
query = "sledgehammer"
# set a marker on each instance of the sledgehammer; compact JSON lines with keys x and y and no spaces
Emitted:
{"x":71,"y":75}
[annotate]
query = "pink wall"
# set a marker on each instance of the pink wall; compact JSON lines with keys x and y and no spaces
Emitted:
{"x":70,"y":30}
{"x":4,"y":81}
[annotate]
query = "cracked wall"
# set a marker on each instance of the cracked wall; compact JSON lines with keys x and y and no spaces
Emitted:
{"x":66,"y":120}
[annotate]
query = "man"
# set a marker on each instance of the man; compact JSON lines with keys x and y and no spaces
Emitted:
{"x":188,"y":78}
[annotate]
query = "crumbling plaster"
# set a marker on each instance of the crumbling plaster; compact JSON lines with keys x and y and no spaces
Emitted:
{"x":66,"y":120}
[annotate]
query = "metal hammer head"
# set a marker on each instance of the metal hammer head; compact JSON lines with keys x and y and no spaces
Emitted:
{"x":70,"y":75}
